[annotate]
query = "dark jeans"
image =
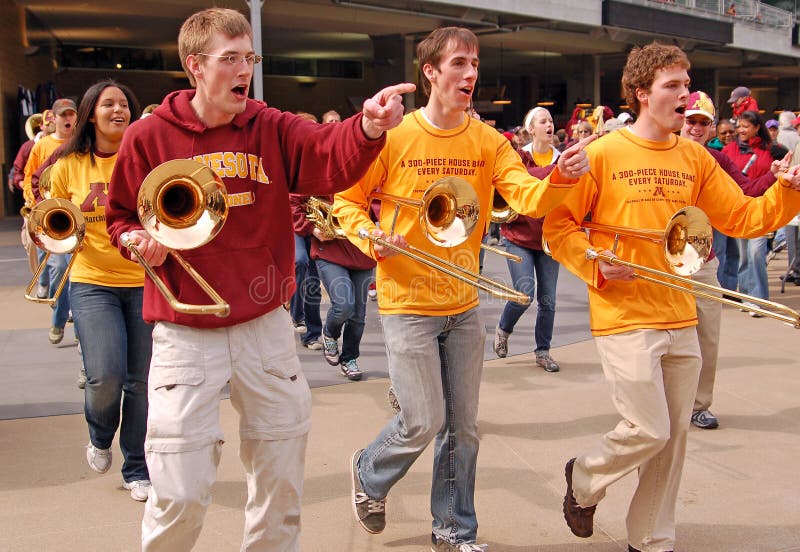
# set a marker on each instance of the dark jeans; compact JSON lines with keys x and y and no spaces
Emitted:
{"x":536,"y":267}
{"x":727,"y":251}
{"x":304,"y":306}
{"x":347,"y":290}
{"x":116,"y":345}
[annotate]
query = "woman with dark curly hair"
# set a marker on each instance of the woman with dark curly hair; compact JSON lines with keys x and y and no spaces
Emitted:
{"x":107,"y":290}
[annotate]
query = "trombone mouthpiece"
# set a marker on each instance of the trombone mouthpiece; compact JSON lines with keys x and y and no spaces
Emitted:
{"x":363,"y":234}
{"x":125,"y":239}
{"x":591,"y":254}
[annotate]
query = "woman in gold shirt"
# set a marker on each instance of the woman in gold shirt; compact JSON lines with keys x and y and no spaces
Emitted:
{"x":107,"y":290}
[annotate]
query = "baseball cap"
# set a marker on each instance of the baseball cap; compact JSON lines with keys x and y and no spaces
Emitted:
{"x":62,"y":105}
{"x":612,"y":124}
{"x":700,"y":104}
{"x":739,"y":92}
{"x":624,"y":117}
{"x":772,"y":123}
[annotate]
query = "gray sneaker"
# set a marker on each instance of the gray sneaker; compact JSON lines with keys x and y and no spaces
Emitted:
{"x":544,"y":360}
{"x":441,"y":545}
{"x":501,"y":342}
{"x":56,"y":335}
{"x":370,"y":513}
{"x":350,"y":370}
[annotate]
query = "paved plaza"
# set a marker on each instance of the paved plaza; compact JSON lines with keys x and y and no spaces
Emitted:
{"x":740,"y":491}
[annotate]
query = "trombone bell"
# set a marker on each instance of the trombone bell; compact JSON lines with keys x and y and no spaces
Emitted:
{"x":182,"y":204}
{"x":687,"y":241}
{"x":57,"y":227}
{"x":449,"y":211}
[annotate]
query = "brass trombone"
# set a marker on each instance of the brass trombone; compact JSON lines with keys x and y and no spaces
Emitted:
{"x":57,"y":227}
{"x":44,"y":182}
{"x":687,"y":243}
{"x":318,"y":212}
{"x":501,"y":212}
{"x":448,"y":214}
{"x":182,"y":204}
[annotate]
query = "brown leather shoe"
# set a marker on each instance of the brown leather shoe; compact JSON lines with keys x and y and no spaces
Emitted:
{"x":580,"y":520}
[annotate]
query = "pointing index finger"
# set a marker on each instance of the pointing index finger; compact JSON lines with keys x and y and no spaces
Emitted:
{"x":396,"y":89}
{"x":585,"y":142}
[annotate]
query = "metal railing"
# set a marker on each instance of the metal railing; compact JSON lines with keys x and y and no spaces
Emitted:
{"x":740,"y":10}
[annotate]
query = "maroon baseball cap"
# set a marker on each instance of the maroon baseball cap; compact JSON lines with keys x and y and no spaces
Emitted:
{"x":63,"y":105}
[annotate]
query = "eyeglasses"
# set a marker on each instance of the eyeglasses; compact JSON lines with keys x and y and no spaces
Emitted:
{"x":584,"y":131}
{"x":701,"y":122}
{"x":236,"y":59}
{"x":725,"y":132}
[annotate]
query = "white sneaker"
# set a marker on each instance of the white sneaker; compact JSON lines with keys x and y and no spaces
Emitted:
{"x":99,"y":459}
{"x":82,"y":379}
{"x":42,"y":291}
{"x":139,"y":489}
{"x":751,"y":306}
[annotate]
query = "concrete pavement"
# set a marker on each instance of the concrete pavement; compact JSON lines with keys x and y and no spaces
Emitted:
{"x":739,"y":492}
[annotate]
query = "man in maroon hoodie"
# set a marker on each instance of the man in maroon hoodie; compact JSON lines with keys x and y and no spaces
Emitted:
{"x":262,"y":154}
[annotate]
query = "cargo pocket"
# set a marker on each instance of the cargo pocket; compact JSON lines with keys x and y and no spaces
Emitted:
{"x":285,"y":366}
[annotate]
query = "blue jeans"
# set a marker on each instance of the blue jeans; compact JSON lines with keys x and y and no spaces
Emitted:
{"x":304,"y":306}
{"x":116,"y":345}
{"x":56,"y":267}
{"x":435,"y":365}
{"x":792,"y":242}
{"x":536,"y":267}
{"x":727,"y":251}
{"x":347,"y":290}
{"x":44,"y":275}
{"x":753,"y":267}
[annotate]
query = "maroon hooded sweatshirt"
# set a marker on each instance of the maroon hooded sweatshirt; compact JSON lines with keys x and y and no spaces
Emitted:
{"x":261,"y":156}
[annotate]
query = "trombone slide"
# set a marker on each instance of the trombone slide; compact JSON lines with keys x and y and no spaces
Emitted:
{"x":491,"y":287}
{"x":784,"y":314}
{"x":219,"y":307}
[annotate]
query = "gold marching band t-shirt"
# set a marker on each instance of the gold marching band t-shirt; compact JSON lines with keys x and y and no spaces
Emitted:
{"x":415,"y":156}
{"x":639,"y":184}
{"x":83,"y":180}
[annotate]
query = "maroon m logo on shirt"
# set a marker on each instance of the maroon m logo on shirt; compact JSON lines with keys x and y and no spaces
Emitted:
{"x":95,"y":198}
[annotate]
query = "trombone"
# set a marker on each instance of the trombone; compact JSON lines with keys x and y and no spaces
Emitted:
{"x":501,"y":213}
{"x":44,"y":182}
{"x":687,"y":243}
{"x":182,"y":204}
{"x":57,"y":227}
{"x":448,"y":214}
{"x":319,"y":213}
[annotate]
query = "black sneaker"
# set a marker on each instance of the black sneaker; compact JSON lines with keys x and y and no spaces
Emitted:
{"x":370,"y":513}
{"x":393,"y":402}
